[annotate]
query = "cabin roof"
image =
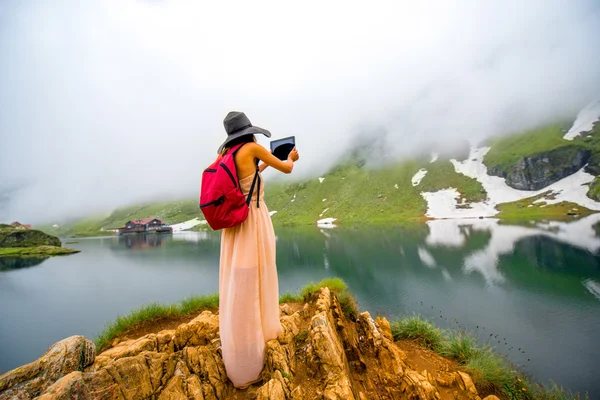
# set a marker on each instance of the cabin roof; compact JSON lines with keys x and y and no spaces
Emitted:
{"x":144,"y":221}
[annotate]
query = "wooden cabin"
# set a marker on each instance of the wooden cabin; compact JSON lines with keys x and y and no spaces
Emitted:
{"x":144,"y":226}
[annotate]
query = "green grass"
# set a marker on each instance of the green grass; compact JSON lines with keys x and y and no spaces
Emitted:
{"x":491,"y":372}
{"x":152,"y":312}
{"x":39,"y":251}
{"x":506,"y":151}
{"x":442,"y":175}
{"x":337,"y":286}
{"x":555,"y":392}
{"x":194,"y":304}
{"x":594,"y":191}
{"x":528,"y":209}
{"x":367,"y":195}
{"x":421,"y":330}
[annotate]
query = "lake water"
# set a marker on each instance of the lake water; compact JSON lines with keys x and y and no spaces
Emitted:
{"x":536,"y":287}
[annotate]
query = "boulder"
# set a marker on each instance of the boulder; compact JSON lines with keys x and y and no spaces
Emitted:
{"x":539,"y":170}
{"x":61,"y":359}
{"x":10,"y":237}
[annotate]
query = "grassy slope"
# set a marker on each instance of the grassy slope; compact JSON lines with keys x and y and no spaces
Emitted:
{"x":40,"y":251}
{"x":353,"y":195}
{"x":356,"y":194}
{"x":506,"y":151}
{"x":172,"y":212}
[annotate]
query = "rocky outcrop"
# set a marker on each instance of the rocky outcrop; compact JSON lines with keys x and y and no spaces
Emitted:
{"x":539,"y":170}
{"x":60,"y":360}
{"x":11,"y":237}
{"x":321,"y":354}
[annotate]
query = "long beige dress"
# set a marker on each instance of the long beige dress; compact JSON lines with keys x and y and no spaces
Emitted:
{"x":248,"y":292}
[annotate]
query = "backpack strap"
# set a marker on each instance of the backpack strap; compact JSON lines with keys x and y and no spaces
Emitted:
{"x":256,"y":179}
{"x":254,"y":182}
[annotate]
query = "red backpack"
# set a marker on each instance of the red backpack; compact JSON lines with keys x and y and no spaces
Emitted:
{"x":221,"y":199}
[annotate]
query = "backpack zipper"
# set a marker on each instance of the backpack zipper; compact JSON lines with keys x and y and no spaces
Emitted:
{"x":216,"y":202}
{"x":230,"y":174}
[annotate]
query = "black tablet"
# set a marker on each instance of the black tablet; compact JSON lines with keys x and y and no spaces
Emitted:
{"x":281,"y":148}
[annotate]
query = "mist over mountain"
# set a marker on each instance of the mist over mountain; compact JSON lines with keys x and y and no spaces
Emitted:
{"x":105,"y":104}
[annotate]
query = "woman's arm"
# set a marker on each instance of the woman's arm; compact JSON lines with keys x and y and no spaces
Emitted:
{"x":269,"y":159}
{"x":262,"y":167}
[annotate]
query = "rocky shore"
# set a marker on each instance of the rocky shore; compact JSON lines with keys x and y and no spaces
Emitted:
{"x":20,"y":242}
{"x":321,"y":354}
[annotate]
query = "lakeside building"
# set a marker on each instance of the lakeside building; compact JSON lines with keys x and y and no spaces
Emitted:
{"x":145,"y":225}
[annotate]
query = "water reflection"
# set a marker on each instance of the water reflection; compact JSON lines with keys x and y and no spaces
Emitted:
{"x":143,"y":241}
{"x":7,"y":263}
{"x":535,"y":286}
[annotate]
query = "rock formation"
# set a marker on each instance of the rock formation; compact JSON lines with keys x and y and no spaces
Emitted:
{"x":321,"y":354}
{"x":14,"y":237}
{"x":539,"y":170}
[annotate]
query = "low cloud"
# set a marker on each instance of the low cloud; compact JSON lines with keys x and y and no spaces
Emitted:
{"x":107,"y":103}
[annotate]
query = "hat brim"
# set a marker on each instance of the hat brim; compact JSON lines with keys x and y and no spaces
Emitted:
{"x":251,"y":130}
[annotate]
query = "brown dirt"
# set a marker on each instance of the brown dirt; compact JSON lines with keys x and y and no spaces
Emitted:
{"x":154,"y":326}
{"x":420,"y":358}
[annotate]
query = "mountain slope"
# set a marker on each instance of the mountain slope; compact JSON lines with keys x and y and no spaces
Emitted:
{"x":561,"y":168}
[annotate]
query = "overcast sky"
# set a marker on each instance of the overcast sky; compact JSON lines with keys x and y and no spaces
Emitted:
{"x":107,"y":102}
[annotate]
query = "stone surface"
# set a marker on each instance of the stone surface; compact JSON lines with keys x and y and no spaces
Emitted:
{"x":62,"y":358}
{"x":14,"y":237}
{"x":539,"y":170}
{"x":320,"y":354}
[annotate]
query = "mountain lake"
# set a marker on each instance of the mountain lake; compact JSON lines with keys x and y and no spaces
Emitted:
{"x":531,"y":290}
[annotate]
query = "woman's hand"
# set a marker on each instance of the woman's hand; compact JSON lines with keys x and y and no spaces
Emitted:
{"x":294,"y":156}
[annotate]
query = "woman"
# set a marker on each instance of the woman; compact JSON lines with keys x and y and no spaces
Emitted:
{"x":248,"y":287}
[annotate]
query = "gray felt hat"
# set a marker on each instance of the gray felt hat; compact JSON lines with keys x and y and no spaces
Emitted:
{"x":236,"y":125}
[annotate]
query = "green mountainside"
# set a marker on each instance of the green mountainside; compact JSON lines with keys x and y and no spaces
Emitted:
{"x":535,"y":159}
{"x":356,"y":192}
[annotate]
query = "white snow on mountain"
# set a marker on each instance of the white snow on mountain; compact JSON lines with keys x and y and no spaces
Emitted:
{"x":418,"y":177}
{"x":585,"y":120}
{"x":188,"y":224}
{"x":444,"y":204}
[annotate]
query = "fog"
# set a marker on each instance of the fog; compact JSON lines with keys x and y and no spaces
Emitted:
{"x":104,"y":103}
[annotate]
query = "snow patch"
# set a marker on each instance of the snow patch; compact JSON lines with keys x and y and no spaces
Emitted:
{"x":293,"y":199}
{"x":434,"y":157}
{"x":396,"y":186}
{"x":183,"y":226}
{"x":271,"y":213}
{"x":443,"y":204}
{"x":325,"y":210}
{"x":321,"y":180}
{"x":326,"y":223}
{"x":323,"y":199}
{"x":418,"y":177}
{"x":585,"y":120}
